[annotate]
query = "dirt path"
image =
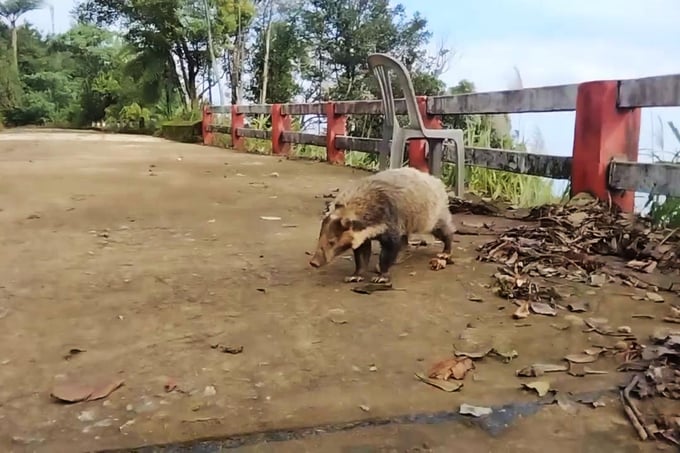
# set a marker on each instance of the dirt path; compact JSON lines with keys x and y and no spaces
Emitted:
{"x":144,"y":253}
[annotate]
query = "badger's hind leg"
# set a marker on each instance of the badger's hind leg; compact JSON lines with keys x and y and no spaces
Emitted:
{"x":390,"y":245}
{"x":443,"y":231}
{"x":404,"y":253}
{"x":362,"y":256}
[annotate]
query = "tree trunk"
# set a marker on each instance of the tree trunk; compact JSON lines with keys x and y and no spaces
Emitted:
{"x":191,"y":89}
{"x":235,"y":71}
{"x":15,"y":47}
{"x":267,"y":45}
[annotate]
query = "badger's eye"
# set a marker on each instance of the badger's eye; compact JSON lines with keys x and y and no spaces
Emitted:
{"x":332,"y":242}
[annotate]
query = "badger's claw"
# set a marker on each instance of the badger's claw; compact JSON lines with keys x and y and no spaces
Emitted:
{"x":381,"y":279}
{"x":437,"y":264}
{"x":446,"y":257}
{"x":354,"y":279}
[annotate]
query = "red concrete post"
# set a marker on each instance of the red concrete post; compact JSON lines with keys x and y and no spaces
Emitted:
{"x":280,"y":124}
{"x":602,"y":132}
{"x":206,"y":123}
{"x":417,"y":148}
{"x":237,"y":121}
{"x":336,"y":125}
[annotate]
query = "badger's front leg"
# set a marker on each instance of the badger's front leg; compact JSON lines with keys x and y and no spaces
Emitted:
{"x":444,"y":231}
{"x":362,"y":256}
{"x":390,"y":245}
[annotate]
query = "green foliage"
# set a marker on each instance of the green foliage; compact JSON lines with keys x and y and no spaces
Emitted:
{"x":10,"y":86}
{"x":341,"y":34}
{"x":285,"y":49}
{"x":665,"y":210}
{"x":174,"y":33}
{"x":11,"y":11}
{"x":129,"y":115}
{"x":34,"y":108}
{"x":182,"y":131}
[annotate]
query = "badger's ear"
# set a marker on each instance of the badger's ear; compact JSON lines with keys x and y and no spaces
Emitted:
{"x":357,"y":225}
{"x":354,"y":225}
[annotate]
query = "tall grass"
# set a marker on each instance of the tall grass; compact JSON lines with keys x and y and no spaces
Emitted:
{"x":664,"y":210}
{"x":519,"y":190}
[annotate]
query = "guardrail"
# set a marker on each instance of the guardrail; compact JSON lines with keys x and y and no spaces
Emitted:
{"x":606,"y":132}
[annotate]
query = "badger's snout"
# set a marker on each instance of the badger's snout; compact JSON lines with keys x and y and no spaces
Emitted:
{"x":318,"y":260}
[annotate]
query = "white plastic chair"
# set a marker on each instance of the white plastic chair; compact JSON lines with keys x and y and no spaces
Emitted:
{"x":380,"y":65}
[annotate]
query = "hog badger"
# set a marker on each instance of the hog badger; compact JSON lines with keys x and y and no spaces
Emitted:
{"x":387,"y":206}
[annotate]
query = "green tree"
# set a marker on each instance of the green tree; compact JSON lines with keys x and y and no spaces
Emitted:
{"x":340,"y":34}
{"x":10,"y":86}
{"x":284,"y":55}
{"x":11,"y":11}
{"x":175,"y":30}
{"x":93,"y":58}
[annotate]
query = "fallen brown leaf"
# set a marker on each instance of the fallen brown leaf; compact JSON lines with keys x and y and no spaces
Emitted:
{"x":540,"y":387}
{"x":104,"y":389}
{"x":580,"y":358}
{"x":475,"y":411}
{"x":473,"y":354}
{"x":228,"y":349}
{"x":539,"y":369}
{"x":522,"y":311}
{"x":543,"y":309}
{"x":337,"y":316}
{"x":74,"y":391}
{"x":447,"y":386}
{"x":71,"y":392}
{"x":73,"y":352}
{"x":455,"y":367}
{"x":577,"y":307}
{"x":654,"y":297}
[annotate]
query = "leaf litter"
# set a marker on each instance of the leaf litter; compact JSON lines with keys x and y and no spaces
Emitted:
{"x":566,"y":243}
{"x":657,"y":375}
{"x":570,"y":242}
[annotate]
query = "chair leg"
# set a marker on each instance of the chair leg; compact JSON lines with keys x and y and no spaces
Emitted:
{"x":384,"y":152}
{"x":460,"y":164}
{"x":435,"y":156}
{"x":397,"y":154}
{"x":397,"y":148}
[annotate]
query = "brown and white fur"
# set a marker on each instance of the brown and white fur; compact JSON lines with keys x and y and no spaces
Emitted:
{"x":387,"y":206}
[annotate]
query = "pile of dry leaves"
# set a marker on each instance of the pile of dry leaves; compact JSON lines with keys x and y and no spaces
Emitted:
{"x":657,"y":374}
{"x":566,"y":243}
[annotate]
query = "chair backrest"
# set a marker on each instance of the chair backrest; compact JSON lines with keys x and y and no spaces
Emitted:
{"x":381,"y":64}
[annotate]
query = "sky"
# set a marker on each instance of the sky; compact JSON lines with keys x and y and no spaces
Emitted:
{"x":549,"y":42}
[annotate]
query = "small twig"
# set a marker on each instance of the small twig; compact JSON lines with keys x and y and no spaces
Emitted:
{"x":668,"y":236}
{"x":672,"y":320}
{"x":642,"y":316}
{"x":478,"y":232}
{"x":596,"y":329}
{"x":634,"y":415}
